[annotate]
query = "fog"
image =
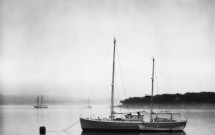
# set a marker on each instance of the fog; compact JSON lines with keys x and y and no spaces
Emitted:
{"x":52,"y":47}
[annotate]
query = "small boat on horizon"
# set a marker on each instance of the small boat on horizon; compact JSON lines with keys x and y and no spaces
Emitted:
{"x":135,"y":121}
{"x":39,"y":103}
{"x":88,"y":104}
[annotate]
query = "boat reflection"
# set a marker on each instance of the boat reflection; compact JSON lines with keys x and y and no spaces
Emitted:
{"x":130,"y":133}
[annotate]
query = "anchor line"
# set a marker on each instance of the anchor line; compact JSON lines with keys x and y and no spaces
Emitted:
{"x":71,"y":125}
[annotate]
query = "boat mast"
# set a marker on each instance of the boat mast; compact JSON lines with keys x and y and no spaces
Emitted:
{"x":42,"y":101}
{"x":153,"y":66}
{"x":112,"y":91}
{"x":38,"y":101}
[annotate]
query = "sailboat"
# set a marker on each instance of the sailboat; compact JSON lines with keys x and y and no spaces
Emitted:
{"x":88,"y":102}
{"x":40,"y":105}
{"x":134,"y":121}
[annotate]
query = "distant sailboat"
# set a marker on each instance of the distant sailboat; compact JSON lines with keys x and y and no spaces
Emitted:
{"x":88,"y":104}
{"x":39,"y":103}
{"x":134,"y":121}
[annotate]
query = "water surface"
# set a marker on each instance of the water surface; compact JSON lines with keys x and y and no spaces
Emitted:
{"x":25,"y":120}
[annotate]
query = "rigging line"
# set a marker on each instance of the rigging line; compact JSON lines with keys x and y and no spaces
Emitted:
{"x":118,"y":95}
{"x":67,"y":132}
{"x":164,"y":80}
{"x":98,"y":73}
{"x":123,"y":44}
{"x":71,"y":125}
{"x":75,"y":122}
{"x":117,"y":92}
{"x":120,"y":69}
{"x":156,"y":80}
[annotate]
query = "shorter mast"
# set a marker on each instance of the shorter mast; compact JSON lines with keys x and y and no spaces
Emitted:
{"x":38,"y":101}
{"x":41,"y":101}
{"x":153,"y":66}
{"x":112,"y":91}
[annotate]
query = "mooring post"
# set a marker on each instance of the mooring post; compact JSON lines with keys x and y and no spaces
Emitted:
{"x":42,"y":130}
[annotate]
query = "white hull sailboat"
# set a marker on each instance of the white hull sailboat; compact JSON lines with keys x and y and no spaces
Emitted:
{"x":123,"y":125}
{"x":158,"y":121}
{"x":40,"y":105}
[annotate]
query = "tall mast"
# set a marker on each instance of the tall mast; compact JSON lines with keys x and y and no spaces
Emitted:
{"x":153,"y":66}
{"x":112,"y":91}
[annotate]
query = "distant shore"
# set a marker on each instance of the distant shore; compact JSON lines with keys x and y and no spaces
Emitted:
{"x":201,"y":100}
{"x":170,"y":106}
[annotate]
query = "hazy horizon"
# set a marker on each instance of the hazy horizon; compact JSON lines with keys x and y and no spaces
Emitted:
{"x":62,"y":100}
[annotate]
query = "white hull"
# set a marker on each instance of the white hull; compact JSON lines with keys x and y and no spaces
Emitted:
{"x":131,"y":133}
{"x":95,"y":125}
{"x":100,"y":125}
{"x":163,"y":126}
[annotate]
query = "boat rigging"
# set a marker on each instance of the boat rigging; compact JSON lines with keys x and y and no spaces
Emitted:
{"x":159,"y":121}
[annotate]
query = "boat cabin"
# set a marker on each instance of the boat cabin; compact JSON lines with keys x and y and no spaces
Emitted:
{"x":134,"y":116}
{"x":166,"y":116}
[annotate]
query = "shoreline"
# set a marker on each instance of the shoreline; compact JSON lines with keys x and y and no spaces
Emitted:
{"x":169,"y":106}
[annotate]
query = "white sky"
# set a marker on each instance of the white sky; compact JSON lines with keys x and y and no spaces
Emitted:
{"x":65,"y":46}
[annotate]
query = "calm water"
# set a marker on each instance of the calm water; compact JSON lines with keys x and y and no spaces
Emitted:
{"x":27,"y":120}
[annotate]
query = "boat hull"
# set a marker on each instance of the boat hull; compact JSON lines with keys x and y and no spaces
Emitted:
{"x":39,"y":107}
{"x":99,"y":125}
{"x":130,"y":133}
{"x":163,"y":126}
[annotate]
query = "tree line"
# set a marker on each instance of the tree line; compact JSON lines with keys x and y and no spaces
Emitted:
{"x":202,"y":97}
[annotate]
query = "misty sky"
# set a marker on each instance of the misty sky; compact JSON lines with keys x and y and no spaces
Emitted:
{"x":65,"y":46}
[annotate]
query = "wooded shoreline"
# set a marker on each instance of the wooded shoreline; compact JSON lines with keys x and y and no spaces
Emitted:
{"x":165,"y":101}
